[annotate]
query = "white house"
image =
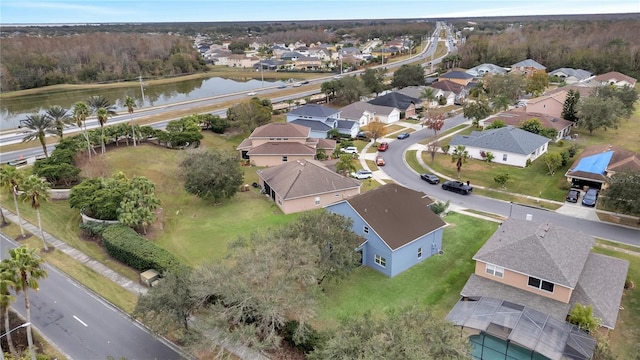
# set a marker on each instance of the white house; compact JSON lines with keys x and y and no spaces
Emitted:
{"x":365,"y":113}
{"x":509,"y":145}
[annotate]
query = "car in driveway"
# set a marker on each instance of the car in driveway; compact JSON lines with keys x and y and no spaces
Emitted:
{"x":362,"y":135}
{"x":430,"y":178}
{"x":384,"y":146}
{"x":350,"y":150}
{"x":380,"y":161}
{"x":403,"y":135}
{"x":362,"y":174}
{"x":590,"y":197}
{"x":457,"y":186}
{"x":573,"y":196}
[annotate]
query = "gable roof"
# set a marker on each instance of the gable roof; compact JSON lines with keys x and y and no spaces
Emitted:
{"x":615,"y":76}
{"x":529,"y":63}
{"x":456,"y":75}
{"x":356,"y":109}
{"x":347,"y":124}
{"x":280,"y":130}
{"x":486,"y":68}
{"x":515,"y":118}
{"x":543,"y":250}
{"x":509,"y":139}
{"x":412,"y":91}
{"x":619,"y":159}
{"x":447,"y":85}
{"x":577,"y":73}
{"x":314,"y":110}
{"x":312,"y":124}
{"x":285,"y":148}
{"x":558,"y":96}
{"x":302,"y":178}
{"x":584,"y":89}
{"x":395,"y":99}
{"x":397,"y":214}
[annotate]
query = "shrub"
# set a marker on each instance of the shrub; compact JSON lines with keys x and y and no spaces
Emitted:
{"x":565,"y":158}
{"x":126,"y":245}
{"x":573,"y":150}
{"x":565,"y":186}
{"x":439,"y":207}
{"x":305,"y":340}
{"x":93,"y":229}
{"x":528,"y":163}
{"x":445,"y":148}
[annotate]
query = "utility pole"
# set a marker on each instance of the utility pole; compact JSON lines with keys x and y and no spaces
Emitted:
{"x":262,"y":72}
{"x":141,"y":88}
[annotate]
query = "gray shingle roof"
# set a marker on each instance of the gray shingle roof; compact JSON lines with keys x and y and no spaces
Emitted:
{"x":355,"y":110}
{"x":395,"y":99}
{"x":577,"y":73}
{"x":529,"y":63}
{"x":397,"y":214}
{"x":509,"y":139}
{"x":543,"y":250}
{"x":303,"y":178}
{"x":312,"y":124}
{"x":457,"y":75}
{"x":346,"y":124}
{"x":484,"y":69}
{"x":315,"y":110}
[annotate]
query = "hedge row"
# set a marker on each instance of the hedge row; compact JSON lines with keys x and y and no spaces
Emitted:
{"x":126,"y":245}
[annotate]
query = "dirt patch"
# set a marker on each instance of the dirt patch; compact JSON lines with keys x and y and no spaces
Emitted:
{"x":22,"y":238}
{"x":19,"y":336}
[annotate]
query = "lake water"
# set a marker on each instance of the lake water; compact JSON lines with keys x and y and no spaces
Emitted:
{"x":13,"y":110}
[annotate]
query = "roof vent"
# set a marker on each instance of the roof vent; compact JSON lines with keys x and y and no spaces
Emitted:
{"x":386,"y":210}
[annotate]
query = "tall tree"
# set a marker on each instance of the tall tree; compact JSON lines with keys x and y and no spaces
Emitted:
{"x":80,"y":113}
{"x":376,"y":128}
{"x":212,"y":175}
{"x":138,"y":204}
{"x":27,"y":266}
{"x":408,"y":75}
{"x":60,"y":117}
{"x":7,"y":282}
{"x":510,"y":85}
{"x":103,"y":110}
{"x":373,"y":80}
{"x":595,"y":113}
{"x":476,"y":111}
{"x":436,"y":125}
{"x":410,"y":334}
{"x":553,"y":162}
{"x":10,"y":179}
{"x":429,"y":95}
{"x":459,"y":156}
{"x":500,"y":103}
{"x":623,"y":192}
{"x":345,"y":165}
{"x":627,"y":96}
{"x":248,"y":115}
{"x":40,"y":125}
{"x":570,"y":107}
{"x":537,"y":83}
{"x":349,"y":90}
{"x":130,"y":103}
{"x":35,"y":191}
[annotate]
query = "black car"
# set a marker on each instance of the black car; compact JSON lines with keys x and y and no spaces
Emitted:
{"x":304,"y":82}
{"x":430,"y":178}
{"x":590,"y":197}
{"x":457,"y":186}
{"x":573,"y":196}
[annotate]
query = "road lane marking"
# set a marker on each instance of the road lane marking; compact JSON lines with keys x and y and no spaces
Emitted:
{"x":81,"y":322}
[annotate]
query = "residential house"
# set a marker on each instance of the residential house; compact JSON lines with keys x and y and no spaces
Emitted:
{"x":550,"y":104}
{"x":486,"y":69}
{"x":398,"y":227}
{"x":242,"y":61}
{"x":303,"y":50}
{"x":278,"y":50}
{"x":321,"y":53}
{"x":308,"y":63}
{"x":570,"y":75}
{"x":528,"y":67}
{"x":461,"y":92}
{"x":458,"y":77}
{"x":321,"y":119}
{"x":364,"y":113}
{"x":536,"y":273}
{"x":291,"y":55}
{"x":276,"y":143}
{"x":406,"y":104}
{"x":509,"y":145}
{"x":268,"y":64}
{"x":585,"y":89}
{"x":349,"y":128}
{"x":615,"y":78}
{"x":516,"y":118}
{"x":303,"y":185}
{"x":417,"y":91}
{"x":596,"y":164}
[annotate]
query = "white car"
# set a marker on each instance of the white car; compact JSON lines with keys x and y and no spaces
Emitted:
{"x":362,"y":174}
{"x":297,"y":84}
{"x":350,"y":150}
{"x":253,"y":93}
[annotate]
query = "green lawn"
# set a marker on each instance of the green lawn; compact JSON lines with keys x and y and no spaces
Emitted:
{"x":434,"y":284}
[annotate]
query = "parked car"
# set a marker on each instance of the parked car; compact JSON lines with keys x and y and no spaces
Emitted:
{"x":362,"y":174}
{"x":573,"y":196}
{"x":430,"y":178}
{"x":380,"y":161}
{"x":350,"y":150}
{"x":590,"y":197}
{"x":362,"y":135}
{"x":457,"y":186}
{"x":383,"y":146}
{"x":403,"y":135}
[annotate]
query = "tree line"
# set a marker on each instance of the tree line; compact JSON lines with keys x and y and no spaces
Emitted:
{"x":31,"y":62}
{"x":596,"y":46}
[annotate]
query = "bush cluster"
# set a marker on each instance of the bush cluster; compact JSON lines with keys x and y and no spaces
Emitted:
{"x":126,"y":245}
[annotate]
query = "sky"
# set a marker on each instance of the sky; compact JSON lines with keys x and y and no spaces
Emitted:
{"x":136,"y":11}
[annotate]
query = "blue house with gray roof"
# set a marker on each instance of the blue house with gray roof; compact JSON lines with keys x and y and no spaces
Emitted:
{"x":321,"y":119}
{"x":509,"y":145}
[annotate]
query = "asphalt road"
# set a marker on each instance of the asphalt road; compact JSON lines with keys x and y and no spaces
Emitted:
{"x":84,"y":326}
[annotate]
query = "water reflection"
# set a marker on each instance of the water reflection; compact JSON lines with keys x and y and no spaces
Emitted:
{"x":12,"y":110}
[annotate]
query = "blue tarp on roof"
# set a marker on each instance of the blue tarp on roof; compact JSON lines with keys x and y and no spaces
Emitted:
{"x":595,"y":164}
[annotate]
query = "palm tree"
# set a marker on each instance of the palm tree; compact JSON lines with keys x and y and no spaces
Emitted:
{"x":80,"y":114}
{"x":60,"y":117}
{"x":40,"y":125}
{"x":102,"y":108}
{"x":10,"y":178}
{"x":130,"y":104}
{"x":501,"y":102}
{"x":27,"y":266}
{"x":345,"y":165}
{"x":429,"y":95}
{"x":7,"y":281}
{"x":36,"y":191}
{"x":459,"y":156}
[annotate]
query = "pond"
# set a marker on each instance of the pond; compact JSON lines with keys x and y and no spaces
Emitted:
{"x":12,"y":110}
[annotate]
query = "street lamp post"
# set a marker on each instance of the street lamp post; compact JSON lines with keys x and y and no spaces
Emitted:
{"x":9,"y":332}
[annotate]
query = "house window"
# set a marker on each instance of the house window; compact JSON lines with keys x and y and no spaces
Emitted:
{"x":317,"y":200}
{"x":381,"y":261}
{"x":365,"y":229}
{"x":504,"y":157}
{"x":419,"y":253}
{"x":284,"y":159}
{"x":496,"y":271}
{"x":541,"y":284}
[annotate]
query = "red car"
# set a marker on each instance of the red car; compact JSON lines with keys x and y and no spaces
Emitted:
{"x":383,"y":146}
{"x":380,"y":161}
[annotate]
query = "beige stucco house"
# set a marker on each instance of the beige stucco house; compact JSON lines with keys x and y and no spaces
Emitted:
{"x":550,"y":104}
{"x":242,"y":61}
{"x":276,"y":143}
{"x":303,"y":185}
{"x":615,"y":78}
